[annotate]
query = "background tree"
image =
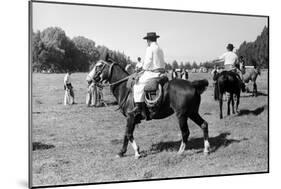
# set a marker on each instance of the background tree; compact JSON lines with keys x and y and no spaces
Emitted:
{"x":256,"y":51}
{"x":175,"y":64}
{"x":87,"y":53}
{"x":194,"y":65}
{"x":53,"y":50}
{"x":187,"y":65}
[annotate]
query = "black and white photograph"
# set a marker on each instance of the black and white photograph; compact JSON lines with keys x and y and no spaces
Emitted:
{"x":124,"y":94}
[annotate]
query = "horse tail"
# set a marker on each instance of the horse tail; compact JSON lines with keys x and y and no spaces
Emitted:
{"x":200,"y":85}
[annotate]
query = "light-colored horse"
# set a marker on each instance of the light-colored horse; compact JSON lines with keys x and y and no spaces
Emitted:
{"x":251,"y":74}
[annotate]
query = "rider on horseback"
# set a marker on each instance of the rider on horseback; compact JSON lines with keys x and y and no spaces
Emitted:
{"x":153,"y":66}
{"x":230,"y":60}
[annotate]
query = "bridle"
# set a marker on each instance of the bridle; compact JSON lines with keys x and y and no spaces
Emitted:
{"x":104,"y":63}
{"x":115,"y":83}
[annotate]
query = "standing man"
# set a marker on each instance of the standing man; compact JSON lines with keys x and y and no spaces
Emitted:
{"x":69,"y":94}
{"x":153,"y":66}
{"x":214,"y":72}
{"x":94,"y":94}
{"x":185,"y":74}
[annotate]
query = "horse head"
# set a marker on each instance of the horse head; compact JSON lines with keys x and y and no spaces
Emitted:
{"x":109,"y":71}
{"x":102,"y":71}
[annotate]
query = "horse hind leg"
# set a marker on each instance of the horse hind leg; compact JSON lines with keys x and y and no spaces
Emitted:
{"x":228,"y":103}
{"x":184,"y":132}
{"x":204,"y":126}
{"x":232,"y":103}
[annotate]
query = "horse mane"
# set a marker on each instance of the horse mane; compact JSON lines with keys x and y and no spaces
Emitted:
{"x":116,"y":63}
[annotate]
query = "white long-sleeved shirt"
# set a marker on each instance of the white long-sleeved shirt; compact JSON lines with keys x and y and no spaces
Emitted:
{"x":229,"y":58}
{"x":67,"y":79}
{"x":154,"y":57}
{"x":139,"y":65}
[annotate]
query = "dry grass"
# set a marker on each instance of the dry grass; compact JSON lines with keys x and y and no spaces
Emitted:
{"x":84,"y":140}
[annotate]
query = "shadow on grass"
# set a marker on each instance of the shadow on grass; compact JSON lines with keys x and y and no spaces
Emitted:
{"x":41,"y":146}
{"x":255,"y":112}
{"x":195,"y":144}
{"x":110,"y":103}
{"x":249,"y":94}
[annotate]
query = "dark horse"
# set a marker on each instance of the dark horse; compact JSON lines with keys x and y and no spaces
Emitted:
{"x":227,"y":81}
{"x":179,"y":96}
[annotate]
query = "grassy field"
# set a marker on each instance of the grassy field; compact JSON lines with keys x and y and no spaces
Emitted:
{"x":77,"y":144}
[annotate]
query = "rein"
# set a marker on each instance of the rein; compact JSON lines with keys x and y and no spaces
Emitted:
{"x":116,"y":83}
{"x":110,"y":74}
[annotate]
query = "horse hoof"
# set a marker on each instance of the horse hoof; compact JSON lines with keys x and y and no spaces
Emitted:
{"x":138,"y":156}
{"x":119,"y":155}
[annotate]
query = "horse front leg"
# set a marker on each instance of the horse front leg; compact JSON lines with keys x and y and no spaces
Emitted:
{"x":184,"y":132}
{"x":204,"y":126}
{"x":220,"y":104}
{"x":128,"y":137}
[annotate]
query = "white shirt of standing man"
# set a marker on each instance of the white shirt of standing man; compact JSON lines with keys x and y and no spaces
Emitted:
{"x":67,"y":79}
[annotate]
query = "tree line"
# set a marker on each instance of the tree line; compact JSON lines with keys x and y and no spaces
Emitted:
{"x":53,"y":50}
{"x":256,"y":52}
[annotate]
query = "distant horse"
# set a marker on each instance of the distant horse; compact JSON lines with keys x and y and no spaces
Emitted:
{"x":227,"y":81}
{"x":179,"y":96}
{"x":251,"y":75}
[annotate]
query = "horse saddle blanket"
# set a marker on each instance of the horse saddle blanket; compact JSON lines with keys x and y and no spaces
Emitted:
{"x":152,"y":85}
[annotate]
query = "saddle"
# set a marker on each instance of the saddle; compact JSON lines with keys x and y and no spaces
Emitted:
{"x":152,"y":85}
{"x":154,"y":91}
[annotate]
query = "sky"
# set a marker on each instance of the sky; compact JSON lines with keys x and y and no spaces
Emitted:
{"x":184,"y":36}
